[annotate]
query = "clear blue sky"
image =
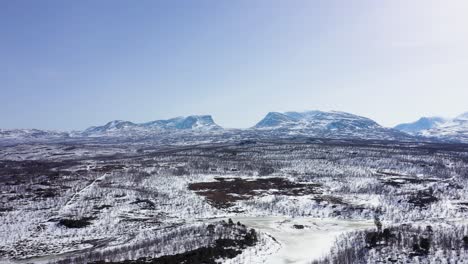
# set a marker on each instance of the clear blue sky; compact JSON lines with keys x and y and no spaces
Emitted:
{"x":72,"y":64}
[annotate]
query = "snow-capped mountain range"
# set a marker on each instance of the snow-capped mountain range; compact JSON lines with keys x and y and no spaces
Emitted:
{"x":317,"y":124}
{"x":199,"y":123}
{"x":455,"y":129}
{"x":333,"y":124}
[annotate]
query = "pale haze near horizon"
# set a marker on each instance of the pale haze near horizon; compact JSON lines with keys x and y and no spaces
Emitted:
{"x":70,"y":65}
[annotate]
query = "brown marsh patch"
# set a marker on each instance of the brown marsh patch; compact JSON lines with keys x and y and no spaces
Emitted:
{"x":224,"y":192}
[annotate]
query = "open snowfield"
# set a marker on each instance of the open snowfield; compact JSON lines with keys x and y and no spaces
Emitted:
{"x":300,"y":246}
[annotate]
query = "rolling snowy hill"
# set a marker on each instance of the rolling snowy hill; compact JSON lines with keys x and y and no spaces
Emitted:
{"x":30,"y":134}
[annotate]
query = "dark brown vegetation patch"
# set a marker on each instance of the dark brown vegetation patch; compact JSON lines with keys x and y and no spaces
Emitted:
{"x":108,"y":168}
{"x":224,"y":192}
{"x":102,"y":207}
{"x":298,"y":226}
{"x":76,"y":223}
{"x":46,"y":192}
{"x":423,"y":198}
{"x":147,"y":204}
{"x":17,"y":172}
{"x":330,"y":199}
{"x":6,"y":209}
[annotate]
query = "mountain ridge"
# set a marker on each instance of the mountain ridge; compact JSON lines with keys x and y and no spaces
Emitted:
{"x":314,"y":123}
{"x":454,"y":129}
{"x":326,"y":124}
{"x":192,"y":122}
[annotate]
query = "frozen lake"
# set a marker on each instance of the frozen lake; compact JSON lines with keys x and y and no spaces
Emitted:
{"x":302,"y":245}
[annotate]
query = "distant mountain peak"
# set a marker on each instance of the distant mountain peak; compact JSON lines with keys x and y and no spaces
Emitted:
{"x":313,"y":119}
{"x":331,"y":124}
{"x":421,"y":124}
{"x":188,"y":122}
{"x":113,"y":125}
{"x":274,"y":119}
{"x":127,"y":128}
{"x":455,"y":129}
{"x":197,"y":122}
{"x":462,"y":117}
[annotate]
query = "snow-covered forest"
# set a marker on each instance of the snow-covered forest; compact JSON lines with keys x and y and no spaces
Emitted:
{"x":137,"y":202}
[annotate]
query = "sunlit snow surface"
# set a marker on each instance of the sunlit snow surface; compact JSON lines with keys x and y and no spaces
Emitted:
{"x":300,"y":245}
